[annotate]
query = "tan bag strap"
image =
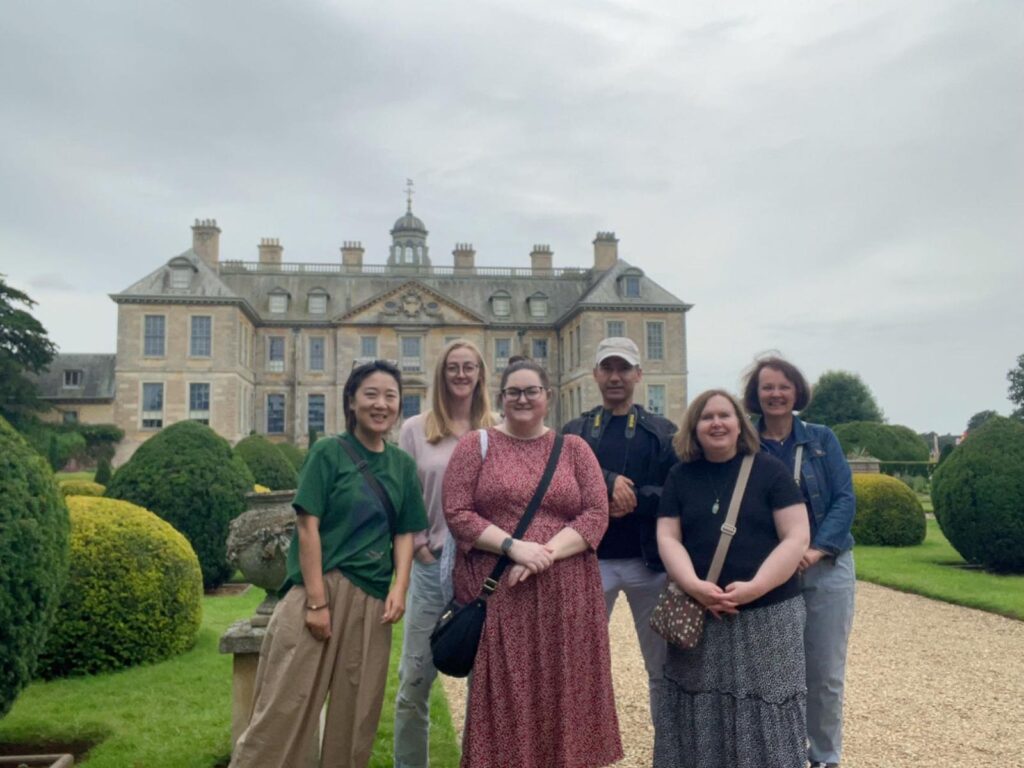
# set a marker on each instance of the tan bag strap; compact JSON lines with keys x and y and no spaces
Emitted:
{"x":729,"y":526}
{"x":796,"y":463}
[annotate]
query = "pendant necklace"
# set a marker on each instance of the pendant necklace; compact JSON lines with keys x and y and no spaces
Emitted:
{"x":718,"y":495}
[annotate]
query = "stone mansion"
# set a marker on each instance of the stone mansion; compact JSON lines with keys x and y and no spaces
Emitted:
{"x":266,"y":345}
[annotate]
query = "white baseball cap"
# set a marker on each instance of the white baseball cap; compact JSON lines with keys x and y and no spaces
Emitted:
{"x":618,"y":346}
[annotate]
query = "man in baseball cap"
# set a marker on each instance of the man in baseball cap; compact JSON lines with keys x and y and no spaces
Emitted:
{"x":634,"y":449}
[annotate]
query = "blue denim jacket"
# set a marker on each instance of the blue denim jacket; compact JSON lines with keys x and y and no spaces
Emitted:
{"x":828,"y":485}
{"x":826,"y":479}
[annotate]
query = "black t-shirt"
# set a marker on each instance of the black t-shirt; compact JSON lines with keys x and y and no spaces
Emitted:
{"x":629,"y":457}
{"x":690,"y":493}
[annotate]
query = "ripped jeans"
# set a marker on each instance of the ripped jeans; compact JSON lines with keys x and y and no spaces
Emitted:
{"x":416,"y":670}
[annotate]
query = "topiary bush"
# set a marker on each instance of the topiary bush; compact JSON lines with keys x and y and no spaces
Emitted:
{"x":188,"y":475}
{"x":267,"y":463}
{"x":81,"y":488}
{"x":103,"y":471}
{"x":33,"y":559}
{"x":978,"y":495}
{"x":295,"y":456}
{"x":133,"y":595}
{"x":886,"y":442}
{"x":888,"y":512}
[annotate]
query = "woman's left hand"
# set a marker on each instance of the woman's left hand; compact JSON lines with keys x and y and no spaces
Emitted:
{"x":394,"y":606}
{"x":742,"y":592}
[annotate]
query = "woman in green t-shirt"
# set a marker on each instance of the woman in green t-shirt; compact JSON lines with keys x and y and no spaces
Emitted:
{"x":331,"y":632}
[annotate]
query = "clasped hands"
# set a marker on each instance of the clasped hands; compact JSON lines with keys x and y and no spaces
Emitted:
{"x":723,"y":600}
{"x":530,"y":558}
{"x":623,"y":500}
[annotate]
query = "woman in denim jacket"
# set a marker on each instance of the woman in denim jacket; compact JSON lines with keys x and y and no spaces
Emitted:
{"x":775,"y":389}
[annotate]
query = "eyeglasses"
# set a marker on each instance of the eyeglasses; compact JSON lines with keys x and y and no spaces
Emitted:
{"x":514,"y":393}
{"x":453,"y":369}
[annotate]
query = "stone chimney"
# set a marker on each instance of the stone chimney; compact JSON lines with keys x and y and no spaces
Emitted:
{"x":465,"y":258}
{"x":606,"y":251}
{"x":540,"y":259}
{"x":271,"y":250}
{"x":206,"y":241}
{"x":352,"y":255}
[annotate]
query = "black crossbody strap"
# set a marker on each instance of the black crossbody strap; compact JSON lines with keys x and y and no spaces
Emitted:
{"x":491,"y":582}
{"x":374,"y":483}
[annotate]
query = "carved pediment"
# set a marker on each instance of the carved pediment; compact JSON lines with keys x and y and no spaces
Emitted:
{"x":411,"y":302}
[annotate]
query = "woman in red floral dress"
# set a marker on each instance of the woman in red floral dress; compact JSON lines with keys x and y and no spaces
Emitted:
{"x":541,"y":690}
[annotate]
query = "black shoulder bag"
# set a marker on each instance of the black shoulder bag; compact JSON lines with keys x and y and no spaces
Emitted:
{"x":373,"y":482}
{"x":456,"y":637}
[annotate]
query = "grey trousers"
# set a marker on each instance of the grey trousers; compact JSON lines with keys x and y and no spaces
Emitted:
{"x":828,"y":590}
{"x":416,"y":671}
{"x":642,"y":587}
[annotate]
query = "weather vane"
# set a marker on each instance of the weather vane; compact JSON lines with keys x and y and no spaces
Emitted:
{"x":408,"y":194}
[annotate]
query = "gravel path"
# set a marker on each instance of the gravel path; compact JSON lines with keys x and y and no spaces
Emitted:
{"x":928,"y":684}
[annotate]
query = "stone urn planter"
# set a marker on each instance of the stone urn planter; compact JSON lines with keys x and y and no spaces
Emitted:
{"x":258,"y":545}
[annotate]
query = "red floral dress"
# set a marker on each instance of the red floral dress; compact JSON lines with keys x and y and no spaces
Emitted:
{"x":541,"y":691}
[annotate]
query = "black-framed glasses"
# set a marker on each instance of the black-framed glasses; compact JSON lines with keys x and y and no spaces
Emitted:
{"x":514,"y":393}
{"x":467,"y":369}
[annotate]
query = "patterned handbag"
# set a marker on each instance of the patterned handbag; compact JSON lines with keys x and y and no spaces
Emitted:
{"x":678,"y":617}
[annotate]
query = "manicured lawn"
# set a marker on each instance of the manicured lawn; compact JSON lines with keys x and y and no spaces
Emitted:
{"x":934,"y":569}
{"x":175,"y":714}
{"x":89,"y":475}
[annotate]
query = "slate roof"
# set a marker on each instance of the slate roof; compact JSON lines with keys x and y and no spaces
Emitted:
{"x":250,"y":284}
{"x":97,"y":378}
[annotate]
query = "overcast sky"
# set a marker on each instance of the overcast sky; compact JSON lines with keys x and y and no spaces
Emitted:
{"x":841,"y":181}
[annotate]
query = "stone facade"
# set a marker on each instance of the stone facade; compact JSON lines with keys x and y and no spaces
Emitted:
{"x":266,"y":345}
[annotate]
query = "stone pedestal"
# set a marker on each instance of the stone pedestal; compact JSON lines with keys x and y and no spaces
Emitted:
{"x":243,"y":640}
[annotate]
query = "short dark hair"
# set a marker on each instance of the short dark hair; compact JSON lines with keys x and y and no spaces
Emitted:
{"x":523,"y":364}
{"x":358,"y":375}
{"x":752,"y":402}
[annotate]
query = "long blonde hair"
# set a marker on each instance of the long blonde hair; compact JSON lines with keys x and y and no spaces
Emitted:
{"x":438,"y":422}
{"x":685,"y":442}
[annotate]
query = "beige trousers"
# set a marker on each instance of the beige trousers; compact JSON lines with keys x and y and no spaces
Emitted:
{"x":297,"y":672}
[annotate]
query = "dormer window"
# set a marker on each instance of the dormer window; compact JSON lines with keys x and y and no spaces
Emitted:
{"x":317,"y":302}
{"x":278,"y":301}
{"x":629,"y":284}
{"x":538,"y":305}
{"x":501,"y":304}
{"x":73,"y":379}
{"x":181,"y":277}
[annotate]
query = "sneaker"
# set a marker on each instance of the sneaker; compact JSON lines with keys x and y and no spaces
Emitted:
{"x":824,"y":765}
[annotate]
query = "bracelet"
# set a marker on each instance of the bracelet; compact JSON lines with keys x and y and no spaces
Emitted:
{"x":316,"y":607}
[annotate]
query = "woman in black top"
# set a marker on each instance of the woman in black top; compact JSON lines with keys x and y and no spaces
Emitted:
{"x":737,"y":699}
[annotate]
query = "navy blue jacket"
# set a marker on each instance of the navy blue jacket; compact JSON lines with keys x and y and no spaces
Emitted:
{"x":648,"y":489}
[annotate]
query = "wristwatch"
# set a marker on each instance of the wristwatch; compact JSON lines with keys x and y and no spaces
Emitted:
{"x":506,"y":545}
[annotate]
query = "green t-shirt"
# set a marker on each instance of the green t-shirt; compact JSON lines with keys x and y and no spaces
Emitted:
{"x":354,"y":532}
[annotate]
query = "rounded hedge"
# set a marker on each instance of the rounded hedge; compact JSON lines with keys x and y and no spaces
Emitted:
{"x":81,"y":488}
{"x":268,"y":465}
{"x":888,"y":512}
{"x":885,"y":442}
{"x":978,"y":495}
{"x":133,"y":595}
{"x":188,"y":475}
{"x":33,"y":559}
{"x":294,"y":455}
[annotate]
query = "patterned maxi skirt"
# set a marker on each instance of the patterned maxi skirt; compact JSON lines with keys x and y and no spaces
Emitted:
{"x":738,"y":699}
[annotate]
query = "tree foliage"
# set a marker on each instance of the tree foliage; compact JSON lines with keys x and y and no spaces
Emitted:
{"x":24,"y":348}
{"x":188,"y":475}
{"x":1016,"y":378}
{"x":978,"y":494}
{"x":33,"y":559}
{"x":978,"y":419}
{"x":841,"y":397}
{"x":886,"y":442}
